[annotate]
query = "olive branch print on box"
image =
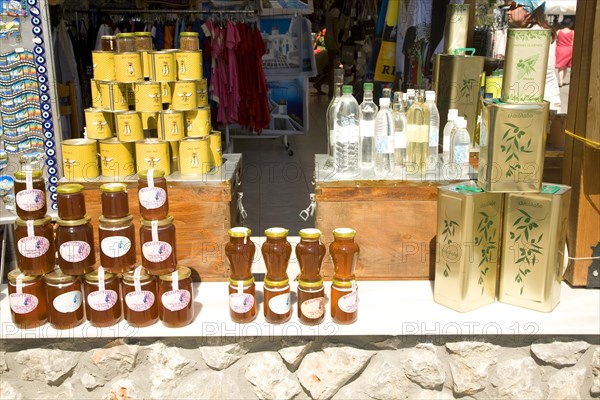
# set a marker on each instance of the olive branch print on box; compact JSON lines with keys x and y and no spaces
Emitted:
{"x":513,"y":146}
{"x":485,"y":239}
{"x":524,"y":235}
{"x":448,"y":233}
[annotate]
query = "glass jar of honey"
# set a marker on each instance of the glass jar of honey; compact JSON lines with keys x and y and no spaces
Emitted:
{"x":158,"y":242}
{"x":71,"y":201}
{"x":344,"y":253}
{"x":344,"y":301}
{"x":240,"y":253}
{"x":143,"y":41}
{"x":152,"y":194}
{"x":175,"y":292}
{"x":126,"y":42}
{"x":109,"y":43}
{"x":242,"y":300}
{"x":30,"y":194}
{"x":139,"y":293}
{"x":277,"y":301}
{"x":311,"y":302}
{"x":189,"y":41}
{"x":103,"y":298}
{"x":36,"y":254}
{"x":310,"y":253}
{"x":27,"y":300}
{"x":65,"y":300}
{"x":276,"y":252}
{"x":75,"y":243}
{"x":114,"y":200}
{"x":117,"y":244}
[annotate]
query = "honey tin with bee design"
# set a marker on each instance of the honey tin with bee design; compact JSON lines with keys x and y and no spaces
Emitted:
{"x":148,"y":97}
{"x":103,"y":65}
{"x":80,"y":159}
{"x":170,"y":125}
{"x":113,"y":96}
{"x":201,"y":94}
{"x":128,"y":125}
{"x":99,"y":124}
{"x":95,"y":93}
{"x":189,"y":65}
{"x":216,"y":156}
{"x":128,"y":67}
{"x":194,"y":156}
{"x":153,"y":153}
{"x":184,"y":95}
{"x":116,"y":158}
{"x":163,"y":66}
{"x":197,"y":122}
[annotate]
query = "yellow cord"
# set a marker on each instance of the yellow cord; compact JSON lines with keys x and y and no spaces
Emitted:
{"x":587,"y":142}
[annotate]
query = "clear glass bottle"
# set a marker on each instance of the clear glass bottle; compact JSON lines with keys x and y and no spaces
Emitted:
{"x":410,"y":97}
{"x":386,"y":93}
{"x":417,"y":138}
{"x":384,"y":140}
{"x":434,"y":129}
{"x":452,"y":115}
{"x":461,"y":144}
{"x":339,"y":81}
{"x":399,"y":132}
{"x":368,"y":112}
{"x":347,"y":135}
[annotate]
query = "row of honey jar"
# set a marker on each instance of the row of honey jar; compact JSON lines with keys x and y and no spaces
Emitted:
{"x":127,"y":42}
{"x":157,"y":66}
{"x":192,"y":156}
{"x":66,"y":301}
{"x":132,"y":126}
{"x":310,"y":253}
{"x":149,"y":96}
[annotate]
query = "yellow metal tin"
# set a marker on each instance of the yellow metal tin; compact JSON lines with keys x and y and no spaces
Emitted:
{"x":166,"y":92}
{"x":184,"y":96}
{"x":114,"y":96}
{"x":216,"y":152}
{"x":194,"y":156}
{"x":189,"y":65}
{"x":103,"y":65}
{"x":128,"y":67}
{"x":148,"y":97}
{"x":149,"y":120}
{"x":493,"y":85}
{"x":116,"y":158}
{"x":80,"y":159}
{"x":170,"y":125}
{"x":197,"y":122}
{"x":99,"y":124}
{"x":153,"y":153}
{"x":163,"y":66}
{"x":129,"y":126}
{"x":95,"y":93}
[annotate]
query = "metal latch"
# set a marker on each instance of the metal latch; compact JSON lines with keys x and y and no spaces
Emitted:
{"x":310,"y":210}
{"x":242,"y":210}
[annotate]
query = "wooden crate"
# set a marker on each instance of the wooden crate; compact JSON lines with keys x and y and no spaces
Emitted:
{"x":204,"y":209}
{"x":396,"y":223}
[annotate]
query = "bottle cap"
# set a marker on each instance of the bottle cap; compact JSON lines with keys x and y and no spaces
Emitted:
{"x":239,"y":232}
{"x":410,"y":92}
{"x":368,"y":86}
{"x":347,"y":89}
{"x":430,"y":95}
{"x":113,"y":187}
{"x":397,"y":96}
{"x":452,"y":114}
{"x":461,"y":123}
{"x":384,"y":102}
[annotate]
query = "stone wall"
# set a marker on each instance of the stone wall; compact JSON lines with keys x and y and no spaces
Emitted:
{"x":302,"y":368}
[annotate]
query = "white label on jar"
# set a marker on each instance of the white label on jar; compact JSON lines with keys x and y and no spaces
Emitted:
{"x":349,"y":302}
{"x":175,"y":300}
{"x":102,"y":300}
{"x":115,"y":246}
{"x":280,"y":304}
{"x":23,"y":303}
{"x":67,"y":302}
{"x":139,"y":300}
{"x":30,"y":200}
{"x":241,"y":303}
{"x":313,"y":308}
{"x":152,"y":197}
{"x":156,"y":251}
{"x":33,"y":247}
{"x":74,"y":251}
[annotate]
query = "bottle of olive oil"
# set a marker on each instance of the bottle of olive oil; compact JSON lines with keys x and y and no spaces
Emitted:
{"x":417,"y":138}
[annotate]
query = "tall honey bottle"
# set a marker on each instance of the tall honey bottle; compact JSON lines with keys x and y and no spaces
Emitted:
{"x":344,"y":291}
{"x":310,"y":253}
{"x":276,"y":252}
{"x":242,"y":293}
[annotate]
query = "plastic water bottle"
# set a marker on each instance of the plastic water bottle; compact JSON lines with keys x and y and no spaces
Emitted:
{"x":384,"y":140}
{"x":434,"y":129}
{"x":410,"y":97}
{"x":452,"y":115}
{"x":368,"y":111}
{"x":399,"y":131}
{"x":347,"y":135}
{"x":417,"y":135}
{"x":338,"y":81}
{"x":461,"y":144}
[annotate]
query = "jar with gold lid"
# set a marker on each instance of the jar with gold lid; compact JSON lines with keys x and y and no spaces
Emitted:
{"x":65,"y":300}
{"x":344,"y":301}
{"x":143,"y":41}
{"x":311,"y":302}
{"x":344,"y":291}
{"x":117,"y":244}
{"x":139,"y":293}
{"x":126,"y":42}
{"x":102,"y":298}
{"x":242,"y":300}
{"x":152,"y":195}
{"x":36,"y":253}
{"x":240,"y":252}
{"x":109,"y":42}
{"x":71,"y":201}
{"x":30,"y":194}
{"x":176,"y":298}
{"x":277,"y":301}
{"x":75,"y":243}
{"x":158,"y":244}
{"x":189,"y":41}
{"x":27,"y":300}
{"x":114,"y":200}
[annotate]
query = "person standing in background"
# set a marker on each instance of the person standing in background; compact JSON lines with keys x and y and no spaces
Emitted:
{"x":332,"y":44}
{"x":564,"y":49}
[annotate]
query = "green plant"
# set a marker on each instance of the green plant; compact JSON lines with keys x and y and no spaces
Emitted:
{"x":448,"y":233}
{"x":526,"y":66}
{"x":486,"y":239}
{"x":513,"y":146}
{"x":523,"y":232}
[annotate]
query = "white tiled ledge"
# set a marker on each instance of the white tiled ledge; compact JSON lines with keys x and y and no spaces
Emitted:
{"x":385,"y":308}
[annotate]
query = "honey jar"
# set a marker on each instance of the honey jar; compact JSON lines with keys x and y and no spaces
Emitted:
{"x":117,"y":244}
{"x":277,"y":301}
{"x":139,"y":293}
{"x":75,"y":243}
{"x":310,"y":253}
{"x":102,"y":298}
{"x":189,"y":41}
{"x":126,"y":42}
{"x":242,"y":300}
{"x":65,"y":300}
{"x":35,"y":245}
{"x":30,"y":194}
{"x":344,"y":301}
{"x":240,"y":253}
{"x":157,"y":239}
{"x":311,"y":302}
{"x":27,"y":300}
{"x":109,"y":43}
{"x":71,"y":201}
{"x":152,"y":194}
{"x":114,"y":200}
{"x":344,"y":293}
{"x":176,"y":298}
